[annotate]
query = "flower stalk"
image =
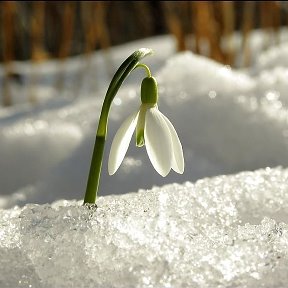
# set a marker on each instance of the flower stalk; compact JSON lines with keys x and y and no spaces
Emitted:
{"x":131,"y":63}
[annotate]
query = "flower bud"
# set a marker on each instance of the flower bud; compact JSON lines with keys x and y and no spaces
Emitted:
{"x":149,"y":91}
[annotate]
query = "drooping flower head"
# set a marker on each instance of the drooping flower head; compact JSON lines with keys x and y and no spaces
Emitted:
{"x":154,"y":130}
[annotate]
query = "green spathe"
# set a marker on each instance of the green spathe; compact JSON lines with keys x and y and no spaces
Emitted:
{"x":149,"y":91}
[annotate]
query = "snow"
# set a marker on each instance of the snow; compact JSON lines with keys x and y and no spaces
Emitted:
{"x":226,"y":231}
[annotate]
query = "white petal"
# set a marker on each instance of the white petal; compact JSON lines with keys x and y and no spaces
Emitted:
{"x":178,"y":159}
{"x":121,"y":143}
{"x":158,"y":142}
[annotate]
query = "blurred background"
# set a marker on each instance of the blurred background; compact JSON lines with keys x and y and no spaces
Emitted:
{"x":39,"y":31}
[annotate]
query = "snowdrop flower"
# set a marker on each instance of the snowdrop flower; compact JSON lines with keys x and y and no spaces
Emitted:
{"x":153,"y":130}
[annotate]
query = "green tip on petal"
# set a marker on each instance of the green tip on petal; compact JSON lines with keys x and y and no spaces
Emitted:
{"x":140,"y":138}
{"x":149,"y":91}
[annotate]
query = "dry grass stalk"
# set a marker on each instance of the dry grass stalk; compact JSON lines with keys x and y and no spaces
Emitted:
{"x":276,"y":21}
{"x":228,"y":18}
{"x":174,"y":24}
{"x":8,"y":17}
{"x":270,"y":22}
{"x":206,"y":28}
{"x":248,"y":14}
{"x":89,"y":30}
{"x":93,"y":17}
{"x":144,"y":17}
{"x":95,"y":30}
{"x":67,"y":29}
{"x":38,"y":53}
{"x":101,"y":26}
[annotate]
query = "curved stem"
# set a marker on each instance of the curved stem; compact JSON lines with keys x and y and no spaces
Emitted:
{"x":96,"y":163}
{"x":145,"y":67}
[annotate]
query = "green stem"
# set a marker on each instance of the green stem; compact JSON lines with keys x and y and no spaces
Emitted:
{"x":95,"y":170}
{"x":124,"y":70}
{"x":145,"y":67}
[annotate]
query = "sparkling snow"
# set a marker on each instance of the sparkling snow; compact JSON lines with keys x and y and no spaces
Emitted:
{"x":227,"y":231}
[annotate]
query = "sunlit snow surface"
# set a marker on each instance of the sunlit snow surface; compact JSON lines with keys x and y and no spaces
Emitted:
{"x":226,"y":231}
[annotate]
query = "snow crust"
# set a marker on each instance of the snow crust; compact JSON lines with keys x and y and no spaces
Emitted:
{"x":226,"y":231}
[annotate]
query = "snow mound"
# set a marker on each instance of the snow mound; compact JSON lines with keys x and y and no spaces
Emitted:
{"x":276,"y":56}
{"x":34,"y":143}
{"x":227,"y":231}
{"x":228,"y":121}
{"x":225,"y":115}
{"x":200,"y":75}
